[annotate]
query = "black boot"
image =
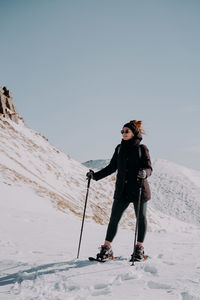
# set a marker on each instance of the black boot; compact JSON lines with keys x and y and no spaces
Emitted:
{"x":138,"y":254}
{"x":105,"y":253}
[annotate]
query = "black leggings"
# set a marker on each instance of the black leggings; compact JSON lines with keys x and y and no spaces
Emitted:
{"x":119,"y":206}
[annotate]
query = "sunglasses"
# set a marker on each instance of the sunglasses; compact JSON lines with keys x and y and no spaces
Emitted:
{"x":125,"y":131}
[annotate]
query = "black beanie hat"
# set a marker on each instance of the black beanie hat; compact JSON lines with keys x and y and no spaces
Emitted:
{"x":132,"y":127}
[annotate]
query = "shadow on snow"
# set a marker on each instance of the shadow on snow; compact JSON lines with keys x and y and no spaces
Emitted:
{"x":33,"y":273}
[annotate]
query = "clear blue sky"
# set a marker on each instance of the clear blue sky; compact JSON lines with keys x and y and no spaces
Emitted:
{"x":79,"y":70}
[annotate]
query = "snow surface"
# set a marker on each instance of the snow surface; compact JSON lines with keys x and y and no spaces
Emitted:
{"x":38,"y":257}
{"x":41,"y":205}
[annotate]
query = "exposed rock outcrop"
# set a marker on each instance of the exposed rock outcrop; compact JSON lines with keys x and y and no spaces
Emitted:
{"x":7,"y":108}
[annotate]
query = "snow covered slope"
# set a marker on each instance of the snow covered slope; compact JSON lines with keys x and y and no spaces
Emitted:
{"x":28,"y":159}
{"x":41,"y":205}
{"x":175,"y":189}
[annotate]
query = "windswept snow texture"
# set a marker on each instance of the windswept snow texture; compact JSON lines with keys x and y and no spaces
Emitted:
{"x":176,"y":191}
{"x":41,"y":205}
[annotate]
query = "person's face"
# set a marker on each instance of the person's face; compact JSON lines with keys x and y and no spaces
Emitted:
{"x":127,"y":134}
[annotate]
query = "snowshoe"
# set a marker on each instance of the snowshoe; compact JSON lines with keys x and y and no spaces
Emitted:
{"x":138,"y":254}
{"x":105,"y":253}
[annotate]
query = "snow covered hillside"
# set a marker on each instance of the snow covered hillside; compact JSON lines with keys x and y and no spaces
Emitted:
{"x":28,"y":159}
{"x":175,"y":189}
{"x":41,"y":205}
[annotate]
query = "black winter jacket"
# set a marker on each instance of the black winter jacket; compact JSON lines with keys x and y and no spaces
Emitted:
{"x":127,"y":162}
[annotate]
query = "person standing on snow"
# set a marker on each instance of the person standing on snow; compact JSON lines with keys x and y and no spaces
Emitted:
{"x":133,"y":163}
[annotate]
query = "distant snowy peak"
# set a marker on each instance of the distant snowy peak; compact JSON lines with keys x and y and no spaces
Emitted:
{"x":96,"y":164}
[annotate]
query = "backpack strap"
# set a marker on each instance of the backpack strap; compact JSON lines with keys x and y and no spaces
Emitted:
{"x":118,"y":149}
{"x":139,"y":150}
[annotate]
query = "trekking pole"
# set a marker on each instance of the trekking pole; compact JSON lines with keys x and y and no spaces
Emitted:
{"x":88,"y":186}
{"x":137,"y":219}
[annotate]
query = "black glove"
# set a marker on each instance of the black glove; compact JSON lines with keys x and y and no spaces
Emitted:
{"x":90,"y":174}
{"x":142,"y":174}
